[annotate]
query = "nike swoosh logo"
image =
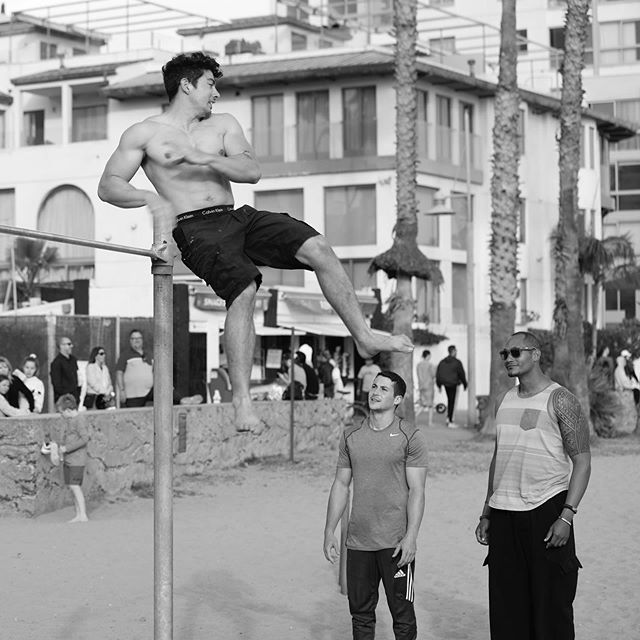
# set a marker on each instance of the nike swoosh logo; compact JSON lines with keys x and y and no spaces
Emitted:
{"x":393,"y":434}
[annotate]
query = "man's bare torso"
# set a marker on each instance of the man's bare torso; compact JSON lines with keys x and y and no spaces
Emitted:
{"x":186,"y":186}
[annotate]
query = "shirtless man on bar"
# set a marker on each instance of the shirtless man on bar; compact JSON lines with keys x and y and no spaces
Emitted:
{"x":191,"y":156}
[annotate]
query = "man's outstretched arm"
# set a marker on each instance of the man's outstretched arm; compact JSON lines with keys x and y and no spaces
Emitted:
{"x":335,"y":508}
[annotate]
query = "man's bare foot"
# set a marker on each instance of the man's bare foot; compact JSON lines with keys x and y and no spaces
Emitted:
{"x":246,"y":418}
{"x":79,"y":519}
{"x":378,"y":342}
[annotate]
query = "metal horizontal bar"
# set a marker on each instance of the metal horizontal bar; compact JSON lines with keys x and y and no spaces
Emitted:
{"x":96,"y":244}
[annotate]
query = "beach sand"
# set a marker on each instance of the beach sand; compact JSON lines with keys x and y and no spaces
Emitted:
{"x":248,"y":559}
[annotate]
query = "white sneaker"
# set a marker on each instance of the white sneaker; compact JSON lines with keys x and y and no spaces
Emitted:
{"x":452,"y":425}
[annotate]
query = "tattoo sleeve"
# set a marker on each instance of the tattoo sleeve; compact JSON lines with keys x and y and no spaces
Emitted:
{"x":573,"y":424}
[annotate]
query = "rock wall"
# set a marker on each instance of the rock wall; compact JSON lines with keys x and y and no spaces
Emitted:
{"x":120,"y":450}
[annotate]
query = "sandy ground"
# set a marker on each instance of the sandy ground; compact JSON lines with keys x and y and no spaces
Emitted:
{"x":249,"y":565}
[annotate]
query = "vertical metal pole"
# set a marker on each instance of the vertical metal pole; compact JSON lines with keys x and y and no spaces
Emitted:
{"x":292,"y":389}
{"x":471,"y":307}
{"x":163,"y":440}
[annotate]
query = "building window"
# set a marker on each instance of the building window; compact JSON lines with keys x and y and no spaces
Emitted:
{"x":625,"y":185}
{"x":459,"y":221}
{"x":459,"y":293}
{"x":313,"y":125}
{"x":522,"y":40}
{"x":358,"y":273}
{"x":298,"y":42}
{"x":89,"y":123}
{"x":422,"y":124}
{"x":359,"y":121}
{"x":350,"y":215}
{"x":522,"y":131}
{"x":466,"y":107}
{"x":619,"y":42}
{"x":556,"y":41}
{"x":427,"y":300}
{"x":33,"y":123}
{"x":7,"y":217}
{"x":621,"y":300}
{"x":441,"y":47}
{"x":443,"y":129}
{"x":428,"y":226}
{"x":290,"y":201}
{"x":268,"y":127}
{"x":48,"y":50}
{"x":522,"y":221}
{"x":68,"y":210}
{"x":627,"y":110}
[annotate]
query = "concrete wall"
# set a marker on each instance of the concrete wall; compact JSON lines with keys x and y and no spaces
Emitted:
{"x":120,"y":451}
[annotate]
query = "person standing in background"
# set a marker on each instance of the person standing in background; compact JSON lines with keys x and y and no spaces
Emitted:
{"x":368,"y":371}
{"x":426,"y":371}
{"x":97,"y":381}
{"x":449,"y":374}
{"x":134,"y":373}
{"x":64,"y":371}
{"x":28,"y":375}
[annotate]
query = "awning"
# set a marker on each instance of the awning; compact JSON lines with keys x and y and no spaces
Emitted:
{"x":262,"y":331}
{"x":323,"y":329}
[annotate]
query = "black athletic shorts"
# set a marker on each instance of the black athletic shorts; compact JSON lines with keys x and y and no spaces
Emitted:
{"x":224,"y":246}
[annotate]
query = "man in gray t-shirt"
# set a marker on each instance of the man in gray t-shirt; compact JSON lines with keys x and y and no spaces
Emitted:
{"x":387,"y":460}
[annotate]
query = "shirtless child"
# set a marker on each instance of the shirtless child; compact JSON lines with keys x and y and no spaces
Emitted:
{"x":191,"y":156}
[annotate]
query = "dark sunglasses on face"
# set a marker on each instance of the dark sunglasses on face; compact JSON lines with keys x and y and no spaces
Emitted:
{"x":515,"y":352}
{"x":100,"y":353}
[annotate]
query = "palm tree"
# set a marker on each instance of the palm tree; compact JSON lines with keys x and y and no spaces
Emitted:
{"x":569,"y":357}
{"x":603,"y":260}
{"x":505,"y":201}
{"x":32,"y":258}
{"x":404,"y":260}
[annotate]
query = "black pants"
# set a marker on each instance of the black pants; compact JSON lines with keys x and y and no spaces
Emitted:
{"x":365,"y":569}
{"x":451,"y":400}
{"x":531,"y":588}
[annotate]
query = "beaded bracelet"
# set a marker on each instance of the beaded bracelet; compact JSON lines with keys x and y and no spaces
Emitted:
{"x":568,"y":506}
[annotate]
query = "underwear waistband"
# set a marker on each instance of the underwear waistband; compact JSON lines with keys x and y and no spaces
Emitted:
{"x":207,"y":211}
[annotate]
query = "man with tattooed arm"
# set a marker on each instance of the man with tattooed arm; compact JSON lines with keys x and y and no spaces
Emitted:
{"x":538,"y":474}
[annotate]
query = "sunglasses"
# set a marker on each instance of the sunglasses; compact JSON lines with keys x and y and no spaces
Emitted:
{"x":100,"y":353}
{"x":515,"y":352}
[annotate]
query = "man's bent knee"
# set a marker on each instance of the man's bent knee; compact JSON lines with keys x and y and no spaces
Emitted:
{"x":315,"y":251}
{"x":245,"y":298}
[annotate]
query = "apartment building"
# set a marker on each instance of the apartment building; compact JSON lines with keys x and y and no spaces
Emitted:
{"x":322,"y":124}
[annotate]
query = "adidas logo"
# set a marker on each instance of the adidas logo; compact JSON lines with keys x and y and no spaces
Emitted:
{"x":400,"y":574}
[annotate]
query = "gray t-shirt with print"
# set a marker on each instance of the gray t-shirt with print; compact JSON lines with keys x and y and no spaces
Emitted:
{"x":378,"y":462}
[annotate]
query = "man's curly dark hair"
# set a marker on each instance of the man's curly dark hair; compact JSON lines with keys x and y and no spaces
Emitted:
{"x":190,"y":66}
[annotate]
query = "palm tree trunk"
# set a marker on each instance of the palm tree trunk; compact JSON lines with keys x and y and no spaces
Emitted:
{"x":569,"y":357}
{"x":505,"y":197}
{"x":406,"y":229}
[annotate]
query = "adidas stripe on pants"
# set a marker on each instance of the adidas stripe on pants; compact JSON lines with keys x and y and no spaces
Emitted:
{"x":365,"y":569}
